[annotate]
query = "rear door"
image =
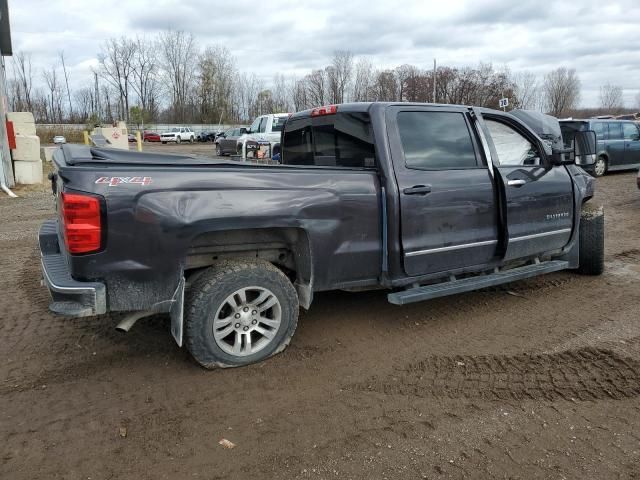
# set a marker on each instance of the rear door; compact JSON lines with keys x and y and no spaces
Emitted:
{"x":536,"y":197}
{"x":447,"y":202}
{"x":615,"y":144}
{"x":631,"y":136}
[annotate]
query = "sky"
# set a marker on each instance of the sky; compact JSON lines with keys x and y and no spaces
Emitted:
{"x":600,"y":39}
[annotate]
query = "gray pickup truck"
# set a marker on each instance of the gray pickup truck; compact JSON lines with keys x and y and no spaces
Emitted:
{"x":422,"y":200}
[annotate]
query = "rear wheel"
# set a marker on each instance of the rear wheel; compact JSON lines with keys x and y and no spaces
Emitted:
{"x":238,"y":313}
{"x":591,"y":240}
{"x":600,"y":167}
{"x":192,"y":139}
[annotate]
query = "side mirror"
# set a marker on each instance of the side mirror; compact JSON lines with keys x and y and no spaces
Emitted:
{"x":584,"y":147}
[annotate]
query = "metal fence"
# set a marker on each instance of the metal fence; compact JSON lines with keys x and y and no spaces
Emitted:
{"x":155,"y":127}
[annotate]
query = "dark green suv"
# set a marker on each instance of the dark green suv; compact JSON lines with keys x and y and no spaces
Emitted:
{"x":618,"y":143}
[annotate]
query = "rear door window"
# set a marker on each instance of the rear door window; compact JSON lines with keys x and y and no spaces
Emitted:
{"x":278,"y":122}
{"x":436,"y":140}
{"x":340,"y":140}
{"x":615,"y":131}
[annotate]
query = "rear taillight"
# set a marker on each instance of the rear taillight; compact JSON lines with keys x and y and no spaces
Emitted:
{"x":326,"y":110}
{"x":82,"y":223}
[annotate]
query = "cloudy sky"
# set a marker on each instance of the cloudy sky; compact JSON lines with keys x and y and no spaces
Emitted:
{"x":600,"y":39}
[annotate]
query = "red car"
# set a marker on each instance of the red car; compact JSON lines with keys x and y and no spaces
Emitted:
{"x":150,"y":136}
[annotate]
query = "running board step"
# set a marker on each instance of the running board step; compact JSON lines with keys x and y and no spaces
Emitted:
{"x":452,"y":287}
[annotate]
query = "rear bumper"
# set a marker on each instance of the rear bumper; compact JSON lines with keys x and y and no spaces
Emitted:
{"x":69,"y":297}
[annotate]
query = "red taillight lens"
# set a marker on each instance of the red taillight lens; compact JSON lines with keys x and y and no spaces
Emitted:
{"x":326,"y":110}
{"x":82,"y":224}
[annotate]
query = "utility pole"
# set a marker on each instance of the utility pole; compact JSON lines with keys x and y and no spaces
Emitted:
{"x":434,"y":80}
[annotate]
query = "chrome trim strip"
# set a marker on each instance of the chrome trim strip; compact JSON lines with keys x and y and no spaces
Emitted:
{"x":452,"y":247}
{"x":540,"y":235}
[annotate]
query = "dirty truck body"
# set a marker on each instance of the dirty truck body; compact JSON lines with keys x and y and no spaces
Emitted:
{"x":423,"y":200}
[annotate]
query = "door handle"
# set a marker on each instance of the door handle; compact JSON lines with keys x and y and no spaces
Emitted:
{"x":417,"y":190}
{"x":516,"y":183}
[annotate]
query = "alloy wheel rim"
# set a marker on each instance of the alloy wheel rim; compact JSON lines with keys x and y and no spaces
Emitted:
{"x":247,"y":321}
{"x":600,"y":167}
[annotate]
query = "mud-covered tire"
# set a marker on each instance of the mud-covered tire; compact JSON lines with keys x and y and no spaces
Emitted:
{"x":591,"y":240}
{"x":209,"y":293}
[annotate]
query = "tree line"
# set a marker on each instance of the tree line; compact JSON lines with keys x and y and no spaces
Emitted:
{"x":169,"y":78}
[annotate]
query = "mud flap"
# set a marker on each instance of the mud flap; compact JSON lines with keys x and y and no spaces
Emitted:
{"x":176,"y":312}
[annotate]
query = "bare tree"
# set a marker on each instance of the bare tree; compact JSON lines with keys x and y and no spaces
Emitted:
{"x":363,"y":81}
{"x":317,"y":87}
{"x":561,"y":91}
{"x":145,"y":71}
{"x":177,"y":52}
{"x":24,"y":81}
{"x":526,"y":90}
{"x":116,"y":62}
{"x":338,"y":75}
{"x":611,"y":98}
{"x":54,"y":97}
{"x":66,"y":82}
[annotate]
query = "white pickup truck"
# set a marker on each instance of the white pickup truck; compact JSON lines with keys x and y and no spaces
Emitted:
{"x":265,"y":128}
{"x":178,"y":134}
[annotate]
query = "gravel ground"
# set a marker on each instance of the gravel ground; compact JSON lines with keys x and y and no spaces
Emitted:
{"x":538,"y":379}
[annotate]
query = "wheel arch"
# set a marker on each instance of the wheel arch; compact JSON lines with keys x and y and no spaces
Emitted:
{"x":288,"y":248}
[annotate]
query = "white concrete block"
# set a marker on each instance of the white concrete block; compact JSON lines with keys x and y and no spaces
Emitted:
{"x":27,"y":148}
{"x":24,"y":128}
{"x":28,"y":173}
{"x":21,"y":117}
{"x":46,"y":153}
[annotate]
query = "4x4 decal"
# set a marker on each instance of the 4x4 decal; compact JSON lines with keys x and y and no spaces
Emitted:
{"x":115,"y":181}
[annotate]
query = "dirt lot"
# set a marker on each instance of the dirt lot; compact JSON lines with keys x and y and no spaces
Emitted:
{"x":540,"y":379}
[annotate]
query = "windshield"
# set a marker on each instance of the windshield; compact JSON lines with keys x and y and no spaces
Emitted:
{"x":277,"y":124}
{"x":174,"y":130}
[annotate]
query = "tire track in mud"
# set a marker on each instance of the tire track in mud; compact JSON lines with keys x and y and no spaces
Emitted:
{"x":575,"y":375}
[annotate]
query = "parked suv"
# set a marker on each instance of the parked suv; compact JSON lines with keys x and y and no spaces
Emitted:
{"x":178,"y":134}
{"x":618,"y":143}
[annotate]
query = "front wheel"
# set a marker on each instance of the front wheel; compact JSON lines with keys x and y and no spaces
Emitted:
{"x":191,"y":139}
{"x":178,"y":139}
{"x":218,"y":151}
{"x":238,"y":313}
{"x":164,"y":143}
{"x":591,"y":240}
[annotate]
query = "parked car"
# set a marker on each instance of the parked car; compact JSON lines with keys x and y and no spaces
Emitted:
{"x":132,"y":138}
{"x":618,"y":145}
{"x":150,"y":136}
{"x":227,"y":142}
{"x":443,"y":199}
{"x":59,"y":140}
{"x":266,"y":128}
{"x":205,"y":136}
{"x":178,"y":134}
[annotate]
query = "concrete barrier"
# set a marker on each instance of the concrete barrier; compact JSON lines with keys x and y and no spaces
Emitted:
{"x":28,"y":173}
{"x":27,"y":148}
{"x":23,"y":123}
{"x":46,"y":153}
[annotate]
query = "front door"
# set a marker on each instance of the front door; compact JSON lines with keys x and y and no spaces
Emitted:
{"x":537,"y":196}
{"x":447,"y":198}
{"x":615,"y":144}
{"x":631,"y":144}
